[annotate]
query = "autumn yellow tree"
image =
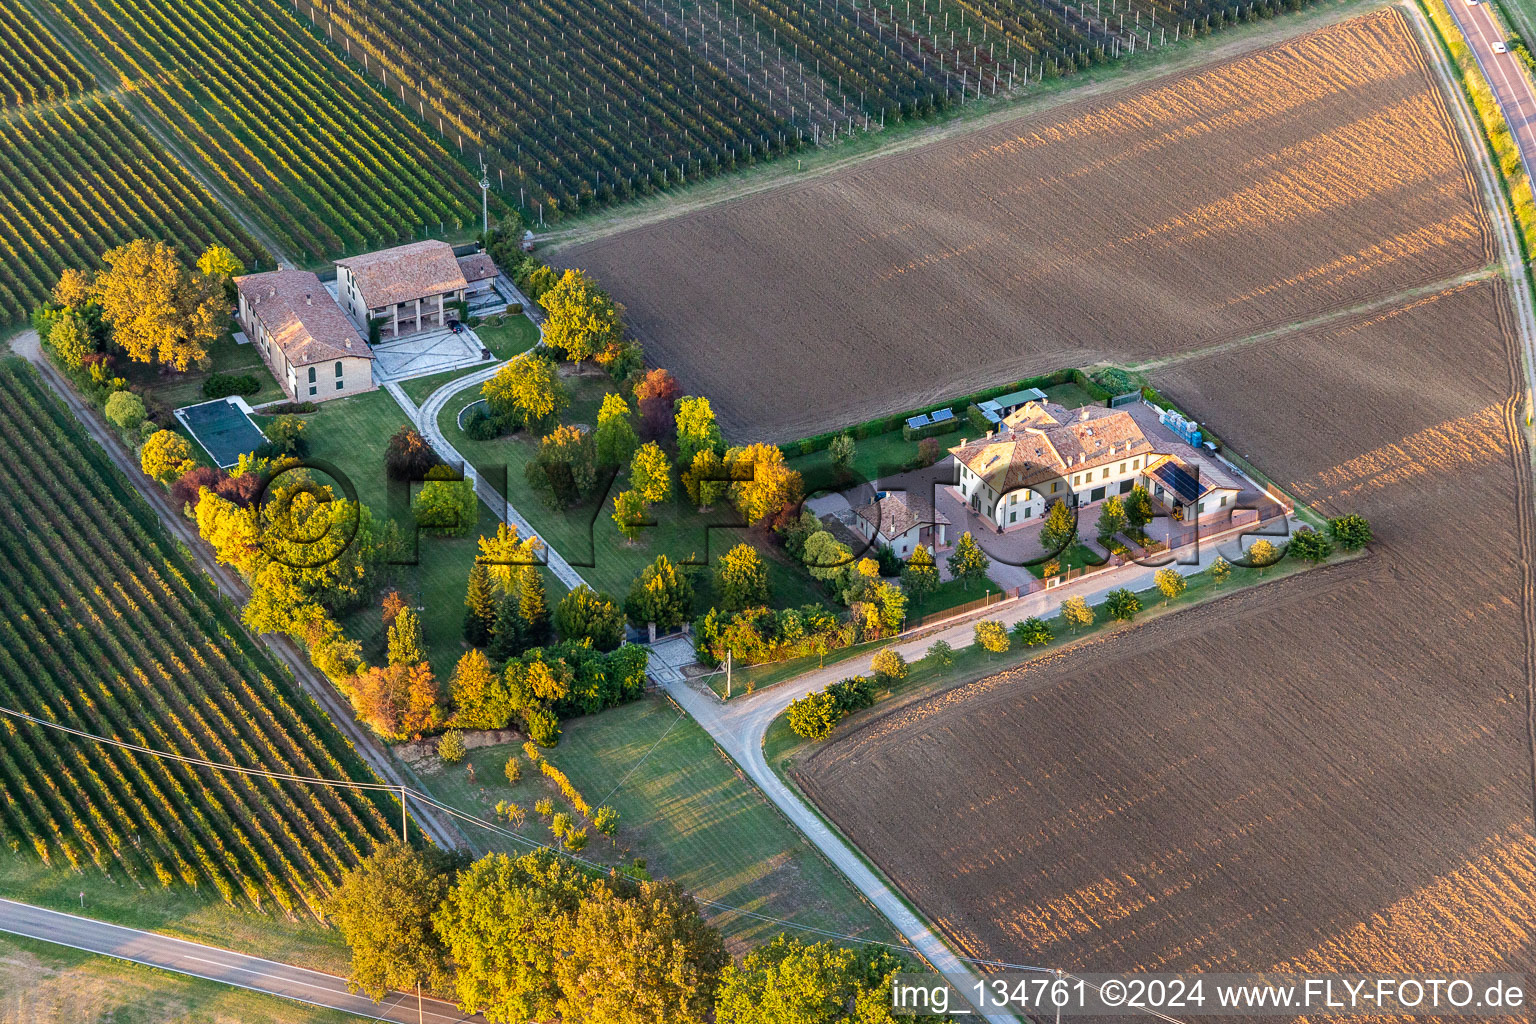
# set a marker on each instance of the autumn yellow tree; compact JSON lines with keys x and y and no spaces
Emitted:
{"x":159,"y":309}
{"x":581,"y":320}
{"x":761,"y":481}
{"x":526,"y":391}
{"x":165,"y":456}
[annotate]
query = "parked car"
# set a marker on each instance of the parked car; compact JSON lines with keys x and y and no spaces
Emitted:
{"x":455,"y":327}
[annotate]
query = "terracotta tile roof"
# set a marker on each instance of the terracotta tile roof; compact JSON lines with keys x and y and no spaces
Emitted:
{"x":1048,"y":442}
{"x":300,"y":316}
{"x":897,"y":512}
{"x":479,"y":267}
{"x":405,"y":273}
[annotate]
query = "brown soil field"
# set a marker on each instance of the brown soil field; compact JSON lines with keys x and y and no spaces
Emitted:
{"x":1304,"y":178}
{"x":1328,"y":772}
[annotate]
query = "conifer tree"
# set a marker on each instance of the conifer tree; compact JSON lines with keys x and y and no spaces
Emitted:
{"x":479,"y":607}
{"x":533,"y":608}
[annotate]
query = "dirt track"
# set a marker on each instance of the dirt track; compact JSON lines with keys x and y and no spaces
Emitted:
{"x":1330,"y":772}
{"x":1308,"y":177}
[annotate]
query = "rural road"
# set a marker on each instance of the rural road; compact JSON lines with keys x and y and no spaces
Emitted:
{"x":1511,"y":86}
{"x":221,"y":965}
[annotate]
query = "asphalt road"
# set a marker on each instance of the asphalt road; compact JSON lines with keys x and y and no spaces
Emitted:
{"x":1511,"y":86}
{"x":221,"y":965}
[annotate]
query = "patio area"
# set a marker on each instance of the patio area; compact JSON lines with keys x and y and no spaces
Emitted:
{"x":418,"y":355}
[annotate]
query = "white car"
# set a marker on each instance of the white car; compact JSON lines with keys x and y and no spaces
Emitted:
{"x":1499,"y":47}
{"x":1473,"y":3}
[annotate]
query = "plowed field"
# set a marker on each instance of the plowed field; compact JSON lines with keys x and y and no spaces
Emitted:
{"x":1308,"y":177}
{"x":1329,"y":772}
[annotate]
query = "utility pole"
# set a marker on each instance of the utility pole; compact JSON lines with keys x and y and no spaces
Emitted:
{"x":485,"y":199}
{"x":727,"y":673}
{"x":404,"y":819}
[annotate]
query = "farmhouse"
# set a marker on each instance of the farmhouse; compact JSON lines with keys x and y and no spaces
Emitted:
{"x":902,"y":521}
{"x":407,"y":289}
{"x":308,"y":343}
{"x":1043,"y":453}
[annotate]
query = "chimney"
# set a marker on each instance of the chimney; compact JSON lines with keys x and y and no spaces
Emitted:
{"x":1082,"y":414}
{"x":308,"y":299}
{"x":272,"y":293}
{"x":347,"y":342}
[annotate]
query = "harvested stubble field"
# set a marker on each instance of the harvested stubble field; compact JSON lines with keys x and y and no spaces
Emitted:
{"x":1309,"y":177}
{"x":1332,"y":772}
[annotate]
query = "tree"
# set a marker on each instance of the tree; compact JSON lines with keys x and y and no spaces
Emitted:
{"x":125,"y":410}
{"x":696,"y":430}
{"x":761,"y":481}
{"x":888,"y":666}
{"x":741,"y":579}
{"x":637,"y":953}
{"x":564,"y":470}
{"x":705,"y":479}
{"x":408,"y":456}
{"x":929,"y":451}
{"x":398,"y":701}
{"x":446,"y":508}
{"x":580,"y":319}
{"x":942,"y":653}
{"x":1077,"y":613}
{"x":790,"y":982}
{"x":526,"y":391}
{"x":285,"y":437}
{"x":920,"y":577}
{"x":650,"y":474}
{"x":383,"y":909}
{"x":629,"y":512}
{"x":1351,"y":531}
{"x":660,"y":594}
{"x":1111,"y":517}
{"x":615,"y":436}
{"x":165,"y":456}
{"x":1220,"y":570}
{"x":992,"y":636}
{"x":585,"y":614}
{"x":840,"y":452}
{"x":504,"y":556}
{"x":158,"y":308}
{"x":405,"y":646}
{"x":451,"y":747}
{"x":1121,"y":604}
{"x":813,"y":716}
{"x":72,"y":340}
{"x":1262,"y":554}
{"x":533,"y":607}
{"x":657,"y":394}
{"x":1170,"y":582}
{"x":827,"y":559}
{"x":73,"y":288}
{"x":479,"y":606}
{"x":967,"y":563}
{"x":606,"y":821}
{"x":1059,"y":531}
{"x":509,"y":635}
{"x":220,"y":264}
{"x":1138,"y":508}
{"x":501,"y":924}
{"x":477,"y":694}
{"x":1032,"y":632}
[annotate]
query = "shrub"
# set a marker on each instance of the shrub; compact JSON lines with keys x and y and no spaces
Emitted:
{"x":291,"y":409}
{"x":480,"y":425}
{"x":1221,"y":569}
{"x":888,"y":666}
{"x":852,"y":694}
{"x":941,"y":653}
{"x":223,"y":385}
{"x":543,"y":726}
{"x":606,"y":820}
{"x":560,"y":825}
{"x":1122,"y":604}
{"x":1352,"y":531}
{"x":1170,"y":582}
{"x":447,"y":508}
{"x":929,"y":451}
{"x":451,"y":747}
{"x":576,"y":839}
{"x":1032,"y":632}
{"x":514,"y":769}
{"x":813,"y":715}
{"x":1309,"y":544}
{"x":890,"y":564}
{"x":544,"y":806}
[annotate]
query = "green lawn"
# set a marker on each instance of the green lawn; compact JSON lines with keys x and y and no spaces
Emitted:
{"x":1071,"y":395}
{"x":1075,"y":557}
{"x":352,"y":434}
{"x":179,"y":389}
{"x":588,"y":537}
{"x":200,"y":917}
{"x":507,"y":335}
{"x":45,"y":982}
{"x":873,"y":458}
{"x":419,"y":388}
{"x":685,"y":810}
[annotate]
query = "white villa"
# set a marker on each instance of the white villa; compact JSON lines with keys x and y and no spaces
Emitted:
{"x":308,"y":343}
{"x":1043,"y":452}
{"x":902,"y":521}
{"x":408,"y":287}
